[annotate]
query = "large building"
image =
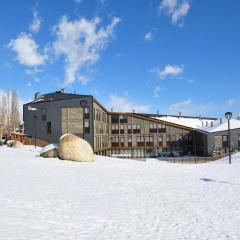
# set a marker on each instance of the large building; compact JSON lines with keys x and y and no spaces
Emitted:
{"x":118,"y":134}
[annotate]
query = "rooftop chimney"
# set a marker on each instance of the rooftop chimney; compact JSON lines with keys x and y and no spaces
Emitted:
{"x":37,"y":95}
{"x":157,"y":112}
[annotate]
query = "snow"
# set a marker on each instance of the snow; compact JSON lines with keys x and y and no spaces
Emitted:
{"x":195,"y":123}
{"x":64,"y":135}
{"x":49,"y":147}
{"x":217,"y":127}
{"x":116,"y":199}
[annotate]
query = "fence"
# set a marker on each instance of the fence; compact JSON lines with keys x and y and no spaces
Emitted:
{"x":24,"y":139}
{"x":31,"y":141}
{"x":195,"y":159}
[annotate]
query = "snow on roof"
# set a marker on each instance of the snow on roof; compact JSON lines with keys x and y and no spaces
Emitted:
{"x":193,"y":122}
{"x":218,"y":127}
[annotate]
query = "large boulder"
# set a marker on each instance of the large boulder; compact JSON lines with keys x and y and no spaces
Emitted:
{"x":49,"y":151}
{"x":72,"y":147}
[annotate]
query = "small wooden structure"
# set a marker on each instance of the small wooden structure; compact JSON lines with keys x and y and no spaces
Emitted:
{"x":26,"y":140}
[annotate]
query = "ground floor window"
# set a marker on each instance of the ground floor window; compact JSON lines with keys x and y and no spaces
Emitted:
{"x":49,"y":128}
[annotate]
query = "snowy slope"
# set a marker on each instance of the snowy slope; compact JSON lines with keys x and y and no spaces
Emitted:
{"x":45,"y":199}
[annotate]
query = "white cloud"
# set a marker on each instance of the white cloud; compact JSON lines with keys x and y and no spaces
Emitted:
{"x":36,"y":23}
{"x":168,"y":70}
{"x":149,"y":37}
{"x":102,"y":1}
{"x":81,"y":42}
{"x":188,"y":107}
{"x":29,"y":84}
{"x":36,"y":80}
{"x":190,"y":81}
{"x":232,"y":102}
{"x":27,"y":51}
{"x":176,"y":9}
{"x":123,"y":104}
{"x":78,"y":1}
{"x":157,"y":90}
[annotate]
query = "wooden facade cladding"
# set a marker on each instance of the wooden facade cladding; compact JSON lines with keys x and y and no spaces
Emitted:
{"x":72,"y":120}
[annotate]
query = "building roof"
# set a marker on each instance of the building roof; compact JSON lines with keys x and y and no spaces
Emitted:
{"x":218,"y":127}
{"x":192,"y":122}
{"x":56,"y":96}
{"x":59,"y":96}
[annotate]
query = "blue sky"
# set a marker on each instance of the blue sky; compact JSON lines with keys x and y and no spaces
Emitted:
{"x":166,"y":55}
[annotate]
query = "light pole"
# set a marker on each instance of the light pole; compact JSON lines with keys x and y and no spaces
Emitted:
{"x":228,"y":116}
{"x":83,"y":104}
{"x":35,"y":125}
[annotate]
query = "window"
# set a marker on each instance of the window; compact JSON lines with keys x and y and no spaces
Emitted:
{"x":123,"y":118}
{"x":161,"y":128}
{"x":129,"y":129}
{"x":86,"y":112}
{"x":140,"y":141}
{"x":239,"y":141}
{"x":115,"y":119}
{"x":49,"y":128}
{"x":160,"y":140}
{"x":130,"y":141}
{"x":225,"y":140}
{"x":44,"y":114}
{"x":86,"y":127}
{"x":121,"y":129}
{"x":153,"y":128}
{"x":115,"y":129}
{"x":122,"y":141}
{"x":115,"y":141}
{"x":149,"y":140}
{"x":136,"y":128}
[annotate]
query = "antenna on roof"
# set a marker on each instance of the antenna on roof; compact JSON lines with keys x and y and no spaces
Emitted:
{"x":180,"y":114}
{"x":157,"y":112}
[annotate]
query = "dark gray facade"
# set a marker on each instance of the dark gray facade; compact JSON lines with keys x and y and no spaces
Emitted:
{"x":214,"y":139}
{"x":35,"y":126}
{"x":210,"y":142}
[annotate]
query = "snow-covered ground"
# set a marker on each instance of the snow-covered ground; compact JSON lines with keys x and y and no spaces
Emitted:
{"x":45,"y":199}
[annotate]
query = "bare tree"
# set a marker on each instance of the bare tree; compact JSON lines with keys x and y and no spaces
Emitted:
{"x":9,"y":110}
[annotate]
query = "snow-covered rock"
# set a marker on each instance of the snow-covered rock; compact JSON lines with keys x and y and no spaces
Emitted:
{"x":50,"y":151}
{"x":14,"y":144}
{"x":10,"y":143}
{"x":72,"y":147}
